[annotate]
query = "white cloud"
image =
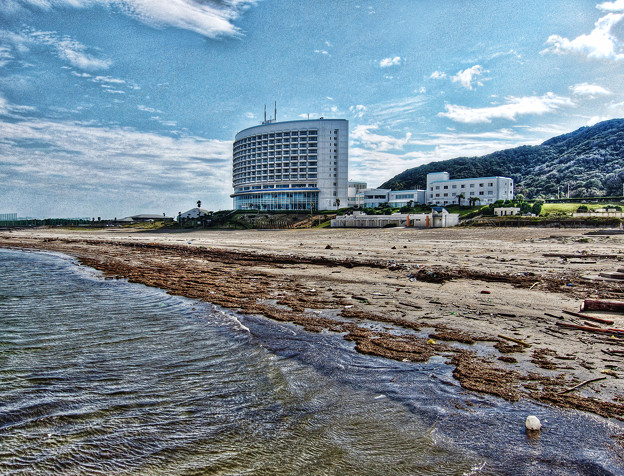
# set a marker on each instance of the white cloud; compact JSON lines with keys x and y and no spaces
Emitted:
{"x":590,"y":90}
{"x":387,"y":62}
{"x":322,"y":52}
{"x":467,"y":77}
{"x":615,"y":6}
{"x":72,"y":51}
{"x":599,"y":44}
{"x":211,"y":18}
{"x":438,"y":75}
{"x":378,"y":142}
{"x":5,"y":55}
{"x":75,"y":158}
{"x":514,"y":107}
{"x":358,"y":111}
{"x":596,"y":119}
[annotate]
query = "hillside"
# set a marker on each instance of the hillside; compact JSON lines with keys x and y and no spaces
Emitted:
{"x":590,"y":160}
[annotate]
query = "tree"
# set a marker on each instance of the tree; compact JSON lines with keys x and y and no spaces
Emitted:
{"x":198,"y":203}
{"x":460,"y":197}
{"x":337,"y":203}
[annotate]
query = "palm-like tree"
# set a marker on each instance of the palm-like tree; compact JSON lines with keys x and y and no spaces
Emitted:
{"x":460,"y":197}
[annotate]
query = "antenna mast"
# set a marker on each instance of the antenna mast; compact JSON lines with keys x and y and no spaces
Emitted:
{"x":275,"y":114}
{"x":264,"y":114}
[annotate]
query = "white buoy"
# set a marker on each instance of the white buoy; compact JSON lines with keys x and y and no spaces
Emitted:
{"x":532,"y":423}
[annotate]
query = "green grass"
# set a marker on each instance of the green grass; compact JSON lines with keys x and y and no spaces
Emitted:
{"x":569,"y":208}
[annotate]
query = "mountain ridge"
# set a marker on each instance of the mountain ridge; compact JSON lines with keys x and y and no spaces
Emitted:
{"x":590,"y":160}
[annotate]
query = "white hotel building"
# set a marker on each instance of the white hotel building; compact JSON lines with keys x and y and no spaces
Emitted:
{"x":441,"y":190}
{"x":293,"y":165}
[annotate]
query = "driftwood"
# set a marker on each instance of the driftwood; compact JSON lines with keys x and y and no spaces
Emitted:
{"x":552,"y":315}
{"x":577,"y":255}
{"x":597,"y":305}
{"x":618,"y":332}
{"x":590,"y":318}
{"x":517,"y":341}
{"x":581,"y":384}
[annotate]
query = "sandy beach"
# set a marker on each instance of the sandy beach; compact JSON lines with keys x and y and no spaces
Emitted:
{"x":490,"y":300}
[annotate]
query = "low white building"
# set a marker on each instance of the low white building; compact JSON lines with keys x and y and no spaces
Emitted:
{"x":506,"y":211}
{"x":404,"y":198}
{"x":354,"y":195}
{"x":441,"y":190}
{"x":194,"y":213}
{"x":438,"y":218}
{"x":374,"y":197}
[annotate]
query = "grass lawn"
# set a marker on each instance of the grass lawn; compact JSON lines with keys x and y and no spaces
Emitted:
{"x":569,"y":208}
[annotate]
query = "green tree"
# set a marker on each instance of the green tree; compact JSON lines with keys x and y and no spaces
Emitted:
{"x":460,"y":197}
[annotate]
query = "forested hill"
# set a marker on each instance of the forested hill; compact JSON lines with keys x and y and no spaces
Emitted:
{"x":590,"y":160}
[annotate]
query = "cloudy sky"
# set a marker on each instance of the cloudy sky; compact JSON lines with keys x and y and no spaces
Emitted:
{"x":115,"y":107}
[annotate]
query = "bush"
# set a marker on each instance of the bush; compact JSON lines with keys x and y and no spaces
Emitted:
{"x":582,"y":209}
{"x":537,"y":207}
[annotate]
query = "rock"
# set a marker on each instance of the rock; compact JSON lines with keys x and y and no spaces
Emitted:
{"x":532,"y":423}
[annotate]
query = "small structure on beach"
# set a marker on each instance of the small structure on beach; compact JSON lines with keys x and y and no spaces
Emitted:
{"x":145,"y":218}
{"x":194,"y":213}
{"x":506,"y":211}
{"x":438,"y":218}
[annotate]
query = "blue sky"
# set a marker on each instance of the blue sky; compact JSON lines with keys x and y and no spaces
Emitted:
{"x":115,"y":107}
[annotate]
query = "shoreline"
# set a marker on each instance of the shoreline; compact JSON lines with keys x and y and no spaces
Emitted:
{"x":451,"y":292}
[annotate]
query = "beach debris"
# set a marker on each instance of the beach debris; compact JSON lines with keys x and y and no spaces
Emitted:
{"x":329,"y":247}
{"x":431,"y":341}
{"x":517,"y":341}
{"x":532,"y":423}
{"x":533,"y":285}
{"x":589,"y":318}
{"x":618,"y":332}
{"x":582,"y":384}
{"x":598,"y":305}
{"x":485,"y":292}
{"x":553,"y":315}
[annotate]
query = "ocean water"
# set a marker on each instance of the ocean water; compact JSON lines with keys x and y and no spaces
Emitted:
{"x":102,"y":376}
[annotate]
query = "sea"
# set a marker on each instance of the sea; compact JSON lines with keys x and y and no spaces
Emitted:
{"x":101,"y":376}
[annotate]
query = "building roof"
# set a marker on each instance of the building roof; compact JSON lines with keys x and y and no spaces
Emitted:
{"x":474,"y":178}
{"x":298,"y":123}
{"x":203,"y":211}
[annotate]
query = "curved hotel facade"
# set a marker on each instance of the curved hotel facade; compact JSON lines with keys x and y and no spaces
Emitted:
{"x":293,"y":165}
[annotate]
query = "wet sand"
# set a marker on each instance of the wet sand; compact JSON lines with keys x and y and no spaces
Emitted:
{"x":403,"y":294}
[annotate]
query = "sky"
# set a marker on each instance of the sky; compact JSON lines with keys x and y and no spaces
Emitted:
{"x":110,"y":108}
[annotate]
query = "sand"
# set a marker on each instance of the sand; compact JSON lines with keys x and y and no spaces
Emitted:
{"x":404,"y":294}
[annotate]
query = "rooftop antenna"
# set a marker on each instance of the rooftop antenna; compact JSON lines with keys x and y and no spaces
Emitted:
{"x":264,"y":114}
{"x":275,"y":114}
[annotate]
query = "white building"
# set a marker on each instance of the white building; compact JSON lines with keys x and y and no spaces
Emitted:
{"x":438,"y":218}
{"x":294,"y":165}
{"x":441,"y":190}
{"x":404,"y":198}
{"x":354,"y":192}
{"x":194,"y":213}
{"x":374,"y":197}
{"x":506,"y":211}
